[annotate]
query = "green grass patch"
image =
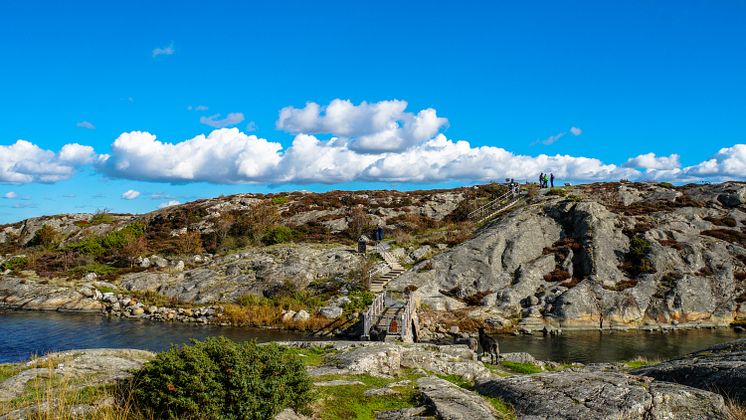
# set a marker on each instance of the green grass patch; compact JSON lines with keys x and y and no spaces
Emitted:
{"x":639,"y":362}
{"x":458,"y":380}
{"x":524,"y":368}
{"x":312,"y":356}
{"x":505,"y":410}
{"x":350,"y":402}
{"x":8,"y":370}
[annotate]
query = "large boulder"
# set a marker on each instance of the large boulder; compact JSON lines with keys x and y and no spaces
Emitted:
{"x":453,"y":403}
{"x":586,"y":394}
{"x":721,"y":369}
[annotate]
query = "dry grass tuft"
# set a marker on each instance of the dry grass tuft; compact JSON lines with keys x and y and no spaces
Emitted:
{"x":734,"y":410}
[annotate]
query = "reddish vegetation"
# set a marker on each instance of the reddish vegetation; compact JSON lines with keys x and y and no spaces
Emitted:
{"x":557,"y":275}
{"x":727,"y":235}
{"x":671,"y":244}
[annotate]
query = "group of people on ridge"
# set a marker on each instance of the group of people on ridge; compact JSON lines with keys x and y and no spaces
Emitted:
{"x":545,"y":180}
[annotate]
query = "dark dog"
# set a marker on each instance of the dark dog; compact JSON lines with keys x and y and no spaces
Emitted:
{"x":489,"y":346}
{"x":377,"y":333}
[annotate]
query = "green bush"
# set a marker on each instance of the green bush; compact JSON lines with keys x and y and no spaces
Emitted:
{"x":638,"y":257}
{"x":219,"y":378}
{"x":114,"y":240}
{"x":94,"y":267}
{"x":359,"y":300}
{"x":278,"y":235}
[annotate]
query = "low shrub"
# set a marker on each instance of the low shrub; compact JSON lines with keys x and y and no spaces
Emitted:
{"x":280,"y":200}
{"x":279,"y":235}
{"x":100,"y":218}
{"x":557,"y":192}
{"x":219,"y":378}
{"x":15,"y":264}
{"x":638,"y":258}
{"x":94,"y":267}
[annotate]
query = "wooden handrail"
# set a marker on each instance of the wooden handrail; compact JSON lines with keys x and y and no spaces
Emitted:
{"x":491,"y":204}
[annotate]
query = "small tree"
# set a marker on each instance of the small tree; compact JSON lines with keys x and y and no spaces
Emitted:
{"x":359,"y":222}
{"x":189,"y":243}
{"x":135,"y":247}
{"x":46,"y":237}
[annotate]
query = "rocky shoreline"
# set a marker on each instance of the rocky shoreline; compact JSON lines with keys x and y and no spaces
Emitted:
{"x":447,"y":382}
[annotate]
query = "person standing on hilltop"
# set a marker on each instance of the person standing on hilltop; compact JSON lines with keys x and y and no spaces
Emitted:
{"x":551,"y":179}
{"x":541,"y":180}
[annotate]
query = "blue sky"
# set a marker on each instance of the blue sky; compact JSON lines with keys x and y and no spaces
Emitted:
{"x":631,"y":79}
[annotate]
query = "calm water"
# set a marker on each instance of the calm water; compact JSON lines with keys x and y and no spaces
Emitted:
{"x":26,"y":333}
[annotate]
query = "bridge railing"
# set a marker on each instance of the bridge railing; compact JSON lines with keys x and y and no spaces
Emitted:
{"x":406,"y":319}
{"x":373,"y":312}
{"x":483,"y":210}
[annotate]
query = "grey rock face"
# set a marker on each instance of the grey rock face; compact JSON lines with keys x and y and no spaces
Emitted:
{"x":566,"y":264}
{"x":577,"y":394}
{"x":721,"y":369}
{"x":452,"y":402}
{"x":29,"y":294}
{"x":376,"y":360}
{"x":330,"y":312}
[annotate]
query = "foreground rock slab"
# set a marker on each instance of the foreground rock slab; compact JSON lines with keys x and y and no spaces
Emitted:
{"x":720,"y":369}
{"x":582,"y":394}
{"x":77,"y":369}
{"x":452,"y":402}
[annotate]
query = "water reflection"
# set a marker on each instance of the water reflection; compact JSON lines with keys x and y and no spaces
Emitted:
{"x":26,"y":333}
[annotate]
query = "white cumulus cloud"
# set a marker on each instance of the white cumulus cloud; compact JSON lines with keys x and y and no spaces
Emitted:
{"x":169,"y":204}
{"x":10,"y":195}
{"x":224,"y":156}
{"x":24,"y":162}
{"x":377,"y":127}
{"x":214,"y":120}
{"x":130,"y":194}
{"x":652,"y":161}
{"x":575,"y":131}
{"x":727,"y":163}
{"x":230,"y":156}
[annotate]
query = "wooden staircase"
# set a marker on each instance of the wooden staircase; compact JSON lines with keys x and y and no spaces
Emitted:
{"x":495,"y":207}
{"x":381,"y":276}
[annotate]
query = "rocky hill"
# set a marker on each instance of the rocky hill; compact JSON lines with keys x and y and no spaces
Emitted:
{"x":608,"y":255}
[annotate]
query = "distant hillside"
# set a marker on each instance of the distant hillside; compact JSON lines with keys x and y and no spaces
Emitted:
{"x":610,"y":255}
